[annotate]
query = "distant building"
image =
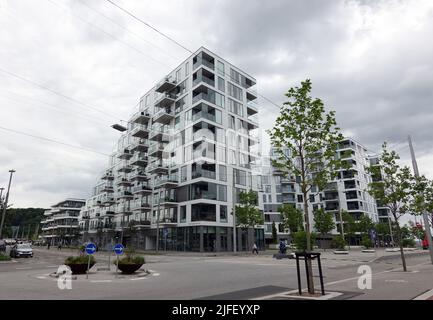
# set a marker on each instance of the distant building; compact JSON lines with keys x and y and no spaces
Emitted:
{"x":60,"y":224}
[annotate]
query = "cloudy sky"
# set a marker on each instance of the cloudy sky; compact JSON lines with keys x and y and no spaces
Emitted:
{"x":371,"y":61}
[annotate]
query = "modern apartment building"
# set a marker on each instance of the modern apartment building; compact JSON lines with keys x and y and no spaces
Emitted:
{"x":187,"y":153}
{"x":382,"y":211}
{"x":60,"y":224}
{"x":348,"y":192}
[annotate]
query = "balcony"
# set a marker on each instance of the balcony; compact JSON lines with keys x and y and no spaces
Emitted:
{"x":167,"y":222}
{"x":287,"y":189}
{"x":203,"y":75}
{"x":124,"y":182}
{"x":209,"y":97}
{"x":125,"y":209}
{"x":109,"y":213}
{"x":142,"y":224}
{"x":108,"y":176}
{"x":203,"y":115}
{"x":166,"y":85}
{"x":331,"y":196}
{"x":107,"y":188}
{"x":126,"y":168}
{"x":157,"y":149}
{"x":160,"y":134}
{"x":168,"y":202}
{"x":158,"y":167}
{"x":332,"y":206}
{"x":140,"y":131}
{"x":165,"y":100}
{"x":251,"y":94}
{"x":203,"y":59}
{"x":125,"y":195}
{"x":141,"y":206}
{"x":167,"y":181}
{"x":108,"y":226}
{"x":139,"y":146}
{"x":125,"y":154}
{"x":163,"y":116}
{"x":139,"y":159}
{"x":141,"y":117}
{"x":108,"y":201}
{"x":139,"y":176}
{"x":142,"y":189}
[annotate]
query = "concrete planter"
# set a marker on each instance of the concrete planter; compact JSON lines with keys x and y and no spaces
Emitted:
{"x":341,"y":252}
{"x":129,"y":268}
{"x":79,"y":268}
{"x":368,"y":250}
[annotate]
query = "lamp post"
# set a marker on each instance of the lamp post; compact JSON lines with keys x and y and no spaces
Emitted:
{"x":5,"y":205}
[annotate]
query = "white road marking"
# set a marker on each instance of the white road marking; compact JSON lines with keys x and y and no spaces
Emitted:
{"x":133,"y":279}
{"x":155,"y":274}
{"x":23,"y":268}
{"x":41,"y":277}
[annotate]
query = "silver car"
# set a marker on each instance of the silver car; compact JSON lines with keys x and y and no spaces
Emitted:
{"x":21,"y":250}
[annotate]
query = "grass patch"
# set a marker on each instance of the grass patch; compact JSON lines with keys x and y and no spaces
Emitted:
{"x":4,"y":258}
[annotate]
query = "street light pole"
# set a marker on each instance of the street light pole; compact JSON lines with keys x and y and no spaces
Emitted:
{"x":5,"y":204}
{"x":157,"y":221}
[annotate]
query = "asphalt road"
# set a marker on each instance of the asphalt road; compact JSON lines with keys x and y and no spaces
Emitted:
{"x":181,"y":276}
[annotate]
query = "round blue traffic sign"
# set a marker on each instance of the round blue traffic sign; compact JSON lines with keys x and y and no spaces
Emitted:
{"x":118,"y":249}
{"x":91,"y":248}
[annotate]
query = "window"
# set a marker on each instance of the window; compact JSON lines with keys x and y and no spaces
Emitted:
{"x":223,"y":213}
{"x":221,"y":154}
{"x":241,"y":177}
{"x":183,"y":214}
{"x":264,"y":198}
{"x":183,"y":173}
{"x":235,"y":76}
{"x":232,"y":122}
{"x":268,"y":189}
{"x":300,"y":198}
{"x":222,"y":172}
{"x":186,"y":69}
{"x":218,"y":117}
{"x":232,"y":157}
{"x":203,"y":212}
{"x":235,"y":107}
{"x":232,"y":139}
{"x":279,"y":198}
{"x":178,"y":75}
{"x":312,"y":198}
{"x":220,"y":68}
{"x":219,"y":100}
{"x":177,"y":123}
{"x":220,"y":135}
{"x":222,"y":193}
{"x":235,"y":91}
{"x":221,"y":84}
{"x":269,"y":198}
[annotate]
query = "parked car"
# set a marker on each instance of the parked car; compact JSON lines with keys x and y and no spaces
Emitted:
{"x":21,"y":250}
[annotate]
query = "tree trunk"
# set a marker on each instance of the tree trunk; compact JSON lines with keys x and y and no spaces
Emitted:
{"x":400,"y":243}
{"x":310,"y":278}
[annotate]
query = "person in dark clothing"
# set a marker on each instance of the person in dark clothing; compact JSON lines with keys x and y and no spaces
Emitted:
{"x":282,"y":247}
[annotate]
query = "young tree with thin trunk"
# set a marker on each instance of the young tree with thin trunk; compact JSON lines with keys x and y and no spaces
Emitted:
{"x":306,"y":139}
{"x":393,"y":190}
{"x":291,"y":217}
{"x":247,"y":213}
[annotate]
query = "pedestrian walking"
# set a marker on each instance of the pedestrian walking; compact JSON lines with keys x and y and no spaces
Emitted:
{"x":48,"y":246}
{"x":255,"y":249}
{"x":59,"y":247}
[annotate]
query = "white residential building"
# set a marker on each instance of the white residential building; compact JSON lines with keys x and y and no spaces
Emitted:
{"x":187,"y":150}
{"x":60,"y":223}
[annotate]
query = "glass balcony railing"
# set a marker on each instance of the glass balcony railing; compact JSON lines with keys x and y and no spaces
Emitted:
{"x":200,"y":61}
{"x":203,"y":115}
{"x":204,"y":96}
{"x":207,"y":80}
{"x":204,"y":174}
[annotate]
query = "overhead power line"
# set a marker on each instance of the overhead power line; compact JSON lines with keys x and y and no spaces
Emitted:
{"x":53,"y":141}
{"x":57,"y":93}
{"x":148,"y":25}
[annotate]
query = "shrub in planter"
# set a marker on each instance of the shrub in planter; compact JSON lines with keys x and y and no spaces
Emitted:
{"x":408,"y":243}
{"x":130,"y":263}
{"x":300,"y":240}
{"x":79,"y":263}
{"x":339,"y":243}
{"x":366,"y":242}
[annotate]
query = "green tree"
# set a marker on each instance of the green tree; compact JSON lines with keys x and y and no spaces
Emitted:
{"x":274,"y":233}
{"x":306,"y":139}
{"x":291,"y":217}
{"x":365,"y":224}
{"x":349,"y":225}
{"x":323,"y":221}
{"x":300,"y":240}
{"x":394,"y":190}
{"x":247,"y":213}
